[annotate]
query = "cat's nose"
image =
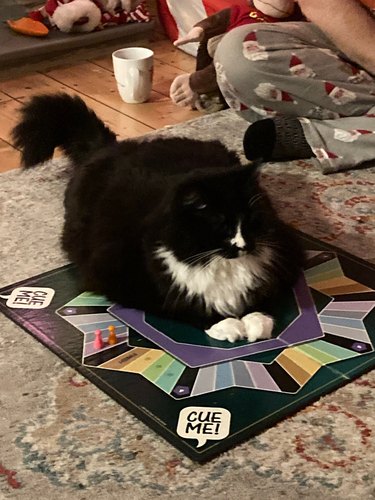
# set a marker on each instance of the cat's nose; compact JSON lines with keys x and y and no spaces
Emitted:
{"x":238,"y":246}
{"x":241,"y":250}
{"x":238,"y":240}
{"x":235,"y":251}
{"x":247,"y":247}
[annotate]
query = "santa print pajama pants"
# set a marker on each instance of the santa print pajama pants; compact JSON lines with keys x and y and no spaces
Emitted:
{"x":293,"y":69}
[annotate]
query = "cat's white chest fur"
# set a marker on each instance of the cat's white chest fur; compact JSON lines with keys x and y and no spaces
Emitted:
{"x":223,"y":284}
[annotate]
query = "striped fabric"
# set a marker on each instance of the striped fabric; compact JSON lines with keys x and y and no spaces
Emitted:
{"x":178,"y":16}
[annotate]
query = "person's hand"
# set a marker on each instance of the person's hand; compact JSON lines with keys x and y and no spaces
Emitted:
{"x":194,"y":35}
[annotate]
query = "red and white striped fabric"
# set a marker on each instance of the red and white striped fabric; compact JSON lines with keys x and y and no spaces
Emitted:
{"x":86,"y":15}
{"x":179,"y":16}
{"x":139,"y":15}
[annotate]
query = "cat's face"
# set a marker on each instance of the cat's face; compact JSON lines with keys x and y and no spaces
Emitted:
{"x":225,"y":214}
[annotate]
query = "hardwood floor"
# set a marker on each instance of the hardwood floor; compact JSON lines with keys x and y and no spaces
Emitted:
{"x":93,"y":81}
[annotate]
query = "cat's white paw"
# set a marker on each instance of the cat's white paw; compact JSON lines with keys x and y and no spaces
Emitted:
{"x":230,"y":329}
{"x":257,"y":326}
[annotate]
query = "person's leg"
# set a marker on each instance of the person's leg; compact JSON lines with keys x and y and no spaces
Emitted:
{"x":338,"y":144}
{"x":341,"y":143}
{"x":287,"y":71}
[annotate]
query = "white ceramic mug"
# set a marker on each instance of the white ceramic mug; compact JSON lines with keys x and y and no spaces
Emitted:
{"x":133,"y":68}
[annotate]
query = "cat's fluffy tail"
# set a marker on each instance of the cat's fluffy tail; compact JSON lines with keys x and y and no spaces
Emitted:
{"x":49,"y":121}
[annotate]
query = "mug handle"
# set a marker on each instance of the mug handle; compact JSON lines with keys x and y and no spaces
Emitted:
{"x":136,"y":81}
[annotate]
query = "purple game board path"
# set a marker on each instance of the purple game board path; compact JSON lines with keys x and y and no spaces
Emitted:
{"x":304,"y":328}
{"x":307,"y":326}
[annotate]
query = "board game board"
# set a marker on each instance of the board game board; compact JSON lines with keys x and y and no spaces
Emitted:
{"x":203,"y":395}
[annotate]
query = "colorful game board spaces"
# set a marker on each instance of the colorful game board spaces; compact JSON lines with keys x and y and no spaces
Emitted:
{"x":88,"y":313}
{"x":155,"y":365}
{"x":345,"y":315}
{"x":287,"y":373}
{"x":329,"y":277}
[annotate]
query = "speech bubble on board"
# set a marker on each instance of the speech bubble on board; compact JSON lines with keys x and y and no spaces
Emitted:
{"x":29,"y":297}
{"x":203,"y":423}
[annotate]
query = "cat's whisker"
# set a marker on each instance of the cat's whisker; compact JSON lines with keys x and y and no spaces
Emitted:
{"x":206,"y":264}
{"x":176,"y":298}
{"x":206,"y":252}
{"x":254,"y":199}
{"x":166,"y":297}
{"x":196,"y":260}
{"x":198,"y":257}
{"x":200,"y":269}
{"x":172,"y":305}
{"x":193,"y":259}
{"x":268,"y":243}
{"x":215,"y":259}
{"x":218,"y":258}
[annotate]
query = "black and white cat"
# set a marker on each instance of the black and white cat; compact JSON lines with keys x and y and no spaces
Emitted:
{"x":173,"y":226}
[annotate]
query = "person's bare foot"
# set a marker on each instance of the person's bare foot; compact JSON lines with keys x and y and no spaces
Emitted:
{"x":181,"y":92}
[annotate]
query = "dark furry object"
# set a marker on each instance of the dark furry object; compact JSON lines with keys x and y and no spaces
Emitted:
{"x":173,"y":226}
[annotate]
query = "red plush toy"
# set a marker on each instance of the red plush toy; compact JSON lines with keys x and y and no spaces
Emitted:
{"x":88,"y":15}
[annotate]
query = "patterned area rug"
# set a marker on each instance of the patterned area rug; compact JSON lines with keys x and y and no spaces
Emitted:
{"x":62,"y":437}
